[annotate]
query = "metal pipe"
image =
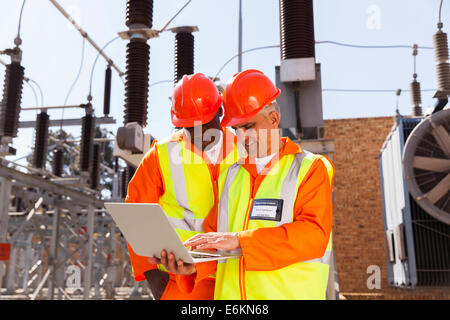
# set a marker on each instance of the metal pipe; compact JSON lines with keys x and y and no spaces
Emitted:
{"x":95,"y":140}
{"x":5,"y":192}
{"x":36,"y":207}
{"x":67,"y":122}
{"x":41,"y":284}
{"x":88,"y":270}
{"x":53,"y":252}
{"x":27,"y":263}
{"x":54,"y":107}
{"x":10,"y":283}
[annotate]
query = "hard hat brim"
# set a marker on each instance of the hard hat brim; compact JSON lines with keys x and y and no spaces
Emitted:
{"x":195,"y":121}
{"x":233,"y":121}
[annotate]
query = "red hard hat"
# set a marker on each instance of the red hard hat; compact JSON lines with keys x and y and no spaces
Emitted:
{"x":195,"y":101}
{"x":245,"y":95}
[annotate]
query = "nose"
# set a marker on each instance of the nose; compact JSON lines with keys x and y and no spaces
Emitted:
{"x":241,"y":134}
{"x":241,"y":131}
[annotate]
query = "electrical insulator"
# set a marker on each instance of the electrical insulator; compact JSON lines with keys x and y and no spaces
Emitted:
{"x":297,"y":50}
{"x":131,"y":171}
{"x":443,"y":76}
{"x":126,"y":176}
{"x":442,"y":56}
{"x":116,"y":164}
{"x":123,"y":183}
{"x":296,"y":29}
{"x":416,"y":98}
{"x":139,"y":12}
{"x":41,"y":140}
{"x":136,"y":85}
{"x":95,"y":167}
{"x":12,"y":96}
{"x":58,"y":162}
{"x":107,"y":96}
{"x":87,"y":141}
{"x":139,"y":15}
{"x":18,"y":203}
{"x":184,"y":55}
{"x":440,"y":46}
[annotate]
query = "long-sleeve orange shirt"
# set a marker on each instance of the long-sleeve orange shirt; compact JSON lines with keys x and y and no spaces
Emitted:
{"x":146,"y":186}
{"x":303,"y":239}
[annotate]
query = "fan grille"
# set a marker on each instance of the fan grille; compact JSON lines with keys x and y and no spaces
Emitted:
{"x":427,"y":164}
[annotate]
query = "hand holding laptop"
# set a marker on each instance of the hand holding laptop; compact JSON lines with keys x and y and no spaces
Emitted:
{"x":149,"y":232}
{"x":176,"y":267}
{"x":227,"y":241}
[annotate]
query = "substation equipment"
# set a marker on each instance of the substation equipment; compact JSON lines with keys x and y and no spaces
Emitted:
{"x":415,"y":185}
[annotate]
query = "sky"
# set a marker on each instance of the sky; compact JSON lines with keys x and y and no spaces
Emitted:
{"x":52,"y":53}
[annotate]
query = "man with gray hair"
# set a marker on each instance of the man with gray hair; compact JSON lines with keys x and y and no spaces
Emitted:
{"x":274,"y":207}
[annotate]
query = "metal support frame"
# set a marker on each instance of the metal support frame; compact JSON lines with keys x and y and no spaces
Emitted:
{"x":5,"y":192}
{"x":53,"y":253}
{"x":67,"y":122}
{"x":63,"y":220}
{"x":30,"y":180}
{"x":88,"y":270}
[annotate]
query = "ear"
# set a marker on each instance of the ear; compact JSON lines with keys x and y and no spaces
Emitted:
{"x":274,"y":119}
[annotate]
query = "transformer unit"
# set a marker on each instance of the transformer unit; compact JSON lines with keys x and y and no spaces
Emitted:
{"x":416,"y":199}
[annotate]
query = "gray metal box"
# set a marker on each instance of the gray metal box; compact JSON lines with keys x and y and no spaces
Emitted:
{"x":310,"y":105}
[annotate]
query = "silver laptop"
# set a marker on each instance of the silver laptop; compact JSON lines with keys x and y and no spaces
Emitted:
{"x":147,"y":229}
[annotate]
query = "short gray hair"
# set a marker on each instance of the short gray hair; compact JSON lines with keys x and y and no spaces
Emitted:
{"x":269,"y":108}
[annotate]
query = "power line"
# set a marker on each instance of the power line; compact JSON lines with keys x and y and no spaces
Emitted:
{"x":159,"y":82}
{"x":335,"y":89}
{"x":95,"y":61}
{"x":34,"y":93}
{"x":359,"y":46}
{"x":373,"y":90}
{"x":242,"y":52}
{"x":73,"y":84}
{"x":40,"y":90}
{"x":20,"y":19}
{"x":78,"y":74}
{"x":349,"y":45}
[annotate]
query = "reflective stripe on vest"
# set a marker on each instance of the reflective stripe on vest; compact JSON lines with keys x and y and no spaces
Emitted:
{"x":187,"y":222}
{"x":302,"y":280}
{"x":188,"y":187}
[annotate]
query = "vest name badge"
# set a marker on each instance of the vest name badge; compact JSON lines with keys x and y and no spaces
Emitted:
{"x":266,"y":209}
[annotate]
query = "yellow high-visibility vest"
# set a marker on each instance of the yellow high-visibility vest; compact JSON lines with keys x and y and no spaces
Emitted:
{"x":302,"y":280}
{"x":189,"y":187}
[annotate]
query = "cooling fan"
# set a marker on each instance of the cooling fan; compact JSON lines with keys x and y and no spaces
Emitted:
{"x":426,"y":164}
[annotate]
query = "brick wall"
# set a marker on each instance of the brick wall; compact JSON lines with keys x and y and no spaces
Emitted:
{"x":358,"y":236}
